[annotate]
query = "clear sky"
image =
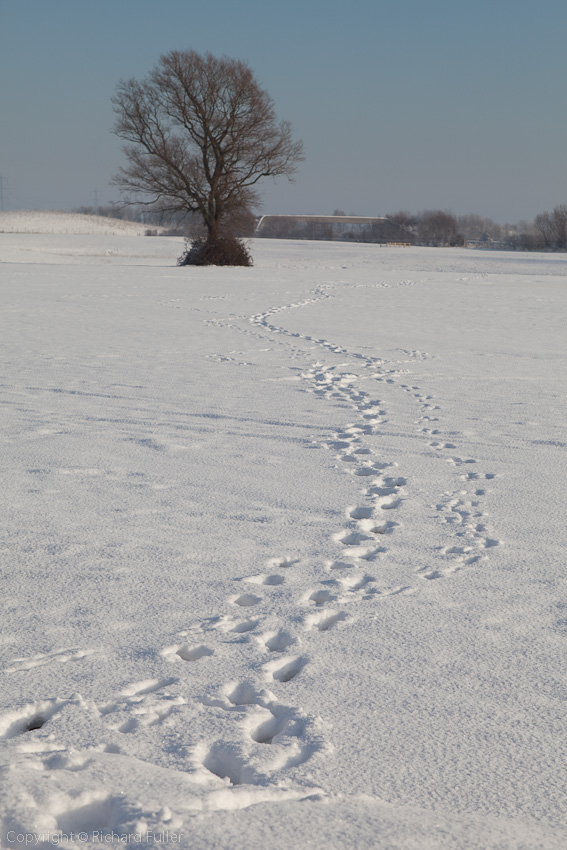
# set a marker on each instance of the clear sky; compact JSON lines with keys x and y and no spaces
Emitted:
{"x":401,"y":105}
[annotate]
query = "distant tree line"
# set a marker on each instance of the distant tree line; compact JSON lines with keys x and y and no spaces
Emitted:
{"x":436,"y":228}
{"x":439,"y":228}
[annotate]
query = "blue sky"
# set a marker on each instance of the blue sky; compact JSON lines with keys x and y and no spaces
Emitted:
{"x":406,"y":105}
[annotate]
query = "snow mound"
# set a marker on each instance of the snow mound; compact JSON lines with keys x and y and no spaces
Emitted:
{"x":54,"y":221}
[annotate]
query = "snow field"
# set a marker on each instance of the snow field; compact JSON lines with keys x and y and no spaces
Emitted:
{"x":53,"y":222}
{"x":285,"y":554}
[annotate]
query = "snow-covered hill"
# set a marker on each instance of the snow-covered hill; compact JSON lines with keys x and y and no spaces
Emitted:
{"x":55,"y":222}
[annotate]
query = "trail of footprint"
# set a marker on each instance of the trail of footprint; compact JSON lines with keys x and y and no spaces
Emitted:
{"x":148,"y":702}
{"x":60,"y":656}
{"x":459,"y":510}
{"x":329,"y":383}
{"x":383,"y":493}
{"x":273,"y":736}
{"x":260,"y":718}
{"x":375,"y":517}
{"x":461,"y":513}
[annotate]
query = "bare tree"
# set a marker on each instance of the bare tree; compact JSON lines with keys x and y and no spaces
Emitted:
{"x":438,"y":227}
{"x":479,"y":228}
{"x":200,"y":134}
{"x":552,"y":228}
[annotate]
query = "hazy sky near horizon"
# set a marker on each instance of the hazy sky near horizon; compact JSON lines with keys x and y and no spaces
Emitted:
{"x":410,"y":105}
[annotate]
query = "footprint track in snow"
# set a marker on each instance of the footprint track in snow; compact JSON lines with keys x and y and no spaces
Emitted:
{"x":284,"y":670}
{"x":246,"y":600}
{"x":59,"y":656}
{"x":268,"y":580}
{"x":325,"y":620}
{"x":184,"y":652}
{"x":29,"y":717}
{"x":278,"y":641}
{"x":383,"y":493}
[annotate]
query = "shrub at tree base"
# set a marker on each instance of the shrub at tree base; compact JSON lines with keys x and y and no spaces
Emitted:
{"x":222,"y":251}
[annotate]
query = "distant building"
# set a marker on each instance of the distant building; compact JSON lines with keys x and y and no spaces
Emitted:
{"x":357,"y":228}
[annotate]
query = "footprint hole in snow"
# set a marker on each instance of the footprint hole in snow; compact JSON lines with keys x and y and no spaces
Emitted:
{"x":224,"y":762}
{"x":246,"y":600}
{"x":352,"y":538}
{"x":340,"y":565}
{"x":28,"y":718}
{"x":245,"y":626}
{"x":360,"y":512}
{"x":327,"y":621}
{"x":267,"y":731}
{"x":194,"y":653}
{"x":273,"y":580}
{"x":243,"y":693}
{"x":319,"y":597}
{"x":289,"y":670}
{"x":34,"y":723}
{"x":279,"y":641}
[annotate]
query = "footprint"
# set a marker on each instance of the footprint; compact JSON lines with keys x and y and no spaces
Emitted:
{"x":278,"y":641}
{"x":339,"y":565}
{"x":28,"y":717}
{"x":386,"y":503}
{"x":245,"y":626}
{"x":351,"y":538}
{"x":272,"y":580}
{"x":360,"y":512}
{"x":285,"y":671}
{"x":227,"y":762}
{"x":325,"y":621}
{"x":194,"y":653}
{"x":272,"y":727}
{"x":147,"y":686}
{"x":394,"y":482}
{"x":377,"y":527}
{"x":61,"y":656}
{"x":242,"y":694}
{"x":433,"y":574}
{"x":320,"y":597}
{"x":186,"y":653}
{"x":246,"y":600}
{"x":456,"y":550}
{"x":354,"y":583}
{"x":365,"y":471}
